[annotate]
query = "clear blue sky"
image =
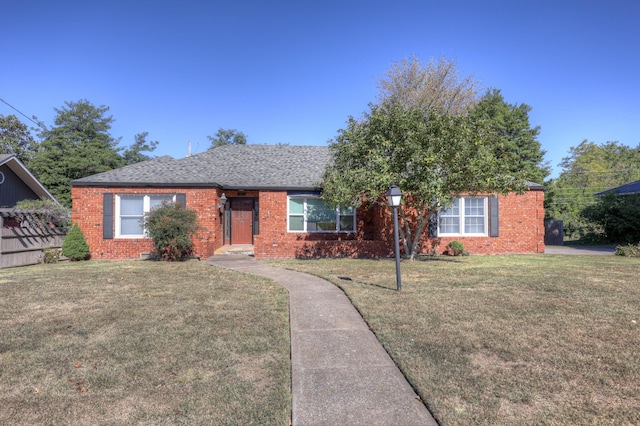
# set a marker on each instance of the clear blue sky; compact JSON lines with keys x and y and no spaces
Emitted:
{"x":293,"y":71}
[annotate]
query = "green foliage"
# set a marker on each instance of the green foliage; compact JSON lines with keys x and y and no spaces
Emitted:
{"x":134,"y":154}
{"x":433,"y":158}
{"x":517,"y":142}
{"x":171,"y":227}
{"x":49,"y":212}
{"x":618,"y":216}
{"x":75,"y":246}
{"x":51,"y":255}
{"x":456,"y":248}
{"x":629,"y":250}
{"x":436,"y":85}
{"x":15,"y":138}
{"x":79,"y":145}
{"x":227,"y":137}
{"x":429,"y":135}
{"x":588,"y":169}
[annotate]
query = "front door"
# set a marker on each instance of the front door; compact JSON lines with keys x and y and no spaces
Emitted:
{"x":242,"y":221}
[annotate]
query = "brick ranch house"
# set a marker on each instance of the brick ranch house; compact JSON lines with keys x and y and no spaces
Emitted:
{"x":272,"y":203}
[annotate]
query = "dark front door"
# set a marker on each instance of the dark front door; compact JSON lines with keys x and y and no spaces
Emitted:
{"x":242,"y":221}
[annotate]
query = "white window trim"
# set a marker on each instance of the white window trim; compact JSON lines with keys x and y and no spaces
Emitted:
{"x":304,"y":215}
{"x":146,"y":209}
{"x":462,"y":217}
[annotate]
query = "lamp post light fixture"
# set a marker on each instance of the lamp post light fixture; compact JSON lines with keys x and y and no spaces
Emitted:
{"x":394,"y":197}
{"x":223,"y":202}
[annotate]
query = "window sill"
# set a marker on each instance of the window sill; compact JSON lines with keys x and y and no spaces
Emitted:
{"x":321,"y":232}
{"x":131,"y":237}
{"x":463,"y":235}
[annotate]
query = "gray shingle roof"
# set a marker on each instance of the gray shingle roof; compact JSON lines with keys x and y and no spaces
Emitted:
{"x":231,"y":167}
{"x":628,"y":189}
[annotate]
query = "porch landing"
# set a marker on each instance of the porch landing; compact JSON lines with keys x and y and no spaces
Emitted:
{"x":241,"y":249}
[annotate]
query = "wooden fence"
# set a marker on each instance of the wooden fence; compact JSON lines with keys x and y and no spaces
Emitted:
{"x":23,"y":241}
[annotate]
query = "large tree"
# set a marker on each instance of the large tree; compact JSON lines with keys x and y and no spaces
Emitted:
{"x":227,"y":137}
{"x":15,"y":138}
{"x":433,"y":158}
{"x":78,"y":145}
{"x":134,"y":154}
{"x":588,"y":169}
{"x":517,"y":142}
{"x":420,"y":136}
{"x":436,"y":85}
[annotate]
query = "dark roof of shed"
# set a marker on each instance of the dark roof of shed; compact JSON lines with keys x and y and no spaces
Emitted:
{"x":230,"y":166}
{"x":627,"y":189}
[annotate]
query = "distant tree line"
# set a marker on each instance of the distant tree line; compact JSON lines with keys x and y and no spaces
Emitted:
{"x":80,"y":144}
{"x":591,"y":168}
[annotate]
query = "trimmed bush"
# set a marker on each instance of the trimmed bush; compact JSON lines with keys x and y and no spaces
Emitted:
{"x":456,"y":248}
{"x":75,"y":246}
{"x":171,"y":227}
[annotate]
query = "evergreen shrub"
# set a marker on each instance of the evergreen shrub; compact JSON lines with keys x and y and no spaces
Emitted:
{"x":75,"y":246}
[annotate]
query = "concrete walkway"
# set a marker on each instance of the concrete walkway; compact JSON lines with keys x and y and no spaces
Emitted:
{"x":340,"y":373}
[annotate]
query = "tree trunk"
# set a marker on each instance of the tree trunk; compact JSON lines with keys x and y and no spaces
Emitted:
{"x":411,"y":240}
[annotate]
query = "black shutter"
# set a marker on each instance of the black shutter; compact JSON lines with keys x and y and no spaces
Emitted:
{"x":433,"y":224}
{"x":494,"y":221}
{"x":182,"y":199}
{"x":107,"y":215}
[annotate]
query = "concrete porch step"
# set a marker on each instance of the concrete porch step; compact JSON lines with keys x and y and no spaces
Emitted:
{"x":243,"y":250}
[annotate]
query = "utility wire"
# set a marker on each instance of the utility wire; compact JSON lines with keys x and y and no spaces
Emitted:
{"x":37,"y":123}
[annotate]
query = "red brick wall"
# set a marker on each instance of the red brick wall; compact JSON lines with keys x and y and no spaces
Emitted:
{"x":87,"y":213}
{"x":521,"y":227}
{"x":521,"y":231}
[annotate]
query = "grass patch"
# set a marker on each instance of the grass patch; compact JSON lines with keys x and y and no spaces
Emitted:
{"x":142,"y":343}
{"x":506,"y":339}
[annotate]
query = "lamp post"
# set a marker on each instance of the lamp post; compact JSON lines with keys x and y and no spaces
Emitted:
{"x":394,"y":196}
{"x":223,"y":222}
{"x":223,"y":201}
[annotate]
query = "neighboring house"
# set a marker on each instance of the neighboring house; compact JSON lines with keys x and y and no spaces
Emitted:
{"x":22,"y":241}
{"x":627,"y":189}
{"x":273,"y":203}
{"x":17,"y":183}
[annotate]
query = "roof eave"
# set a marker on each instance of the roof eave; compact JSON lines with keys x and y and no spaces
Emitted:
{"x":78,"y":183}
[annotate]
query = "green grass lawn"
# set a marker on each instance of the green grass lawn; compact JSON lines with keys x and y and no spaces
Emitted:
{"x":537,"y":339}
{"x":122,"y":343}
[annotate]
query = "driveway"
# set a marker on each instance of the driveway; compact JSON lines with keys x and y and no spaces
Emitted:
{"x":581,"y":250}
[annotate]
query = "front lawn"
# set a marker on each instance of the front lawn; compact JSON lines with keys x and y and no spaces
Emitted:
{"x":537,"y":339}
{"x":124,"y":343}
